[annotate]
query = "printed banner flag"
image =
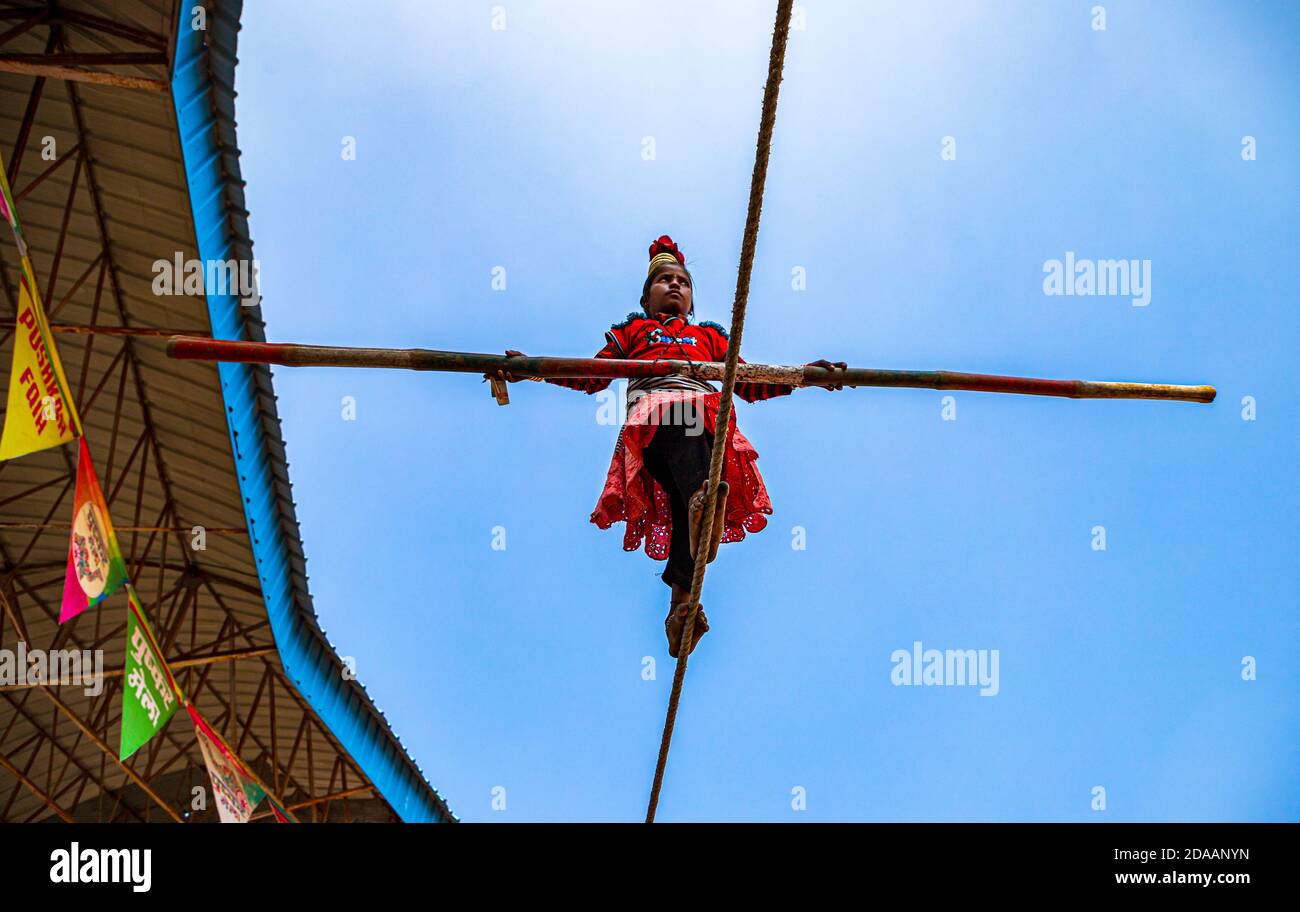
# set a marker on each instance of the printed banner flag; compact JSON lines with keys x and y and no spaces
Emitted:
{"x":236,"y":796}
{"x":39,"y":412}
{"x":95,"y":565}
{"x":150,"y":696}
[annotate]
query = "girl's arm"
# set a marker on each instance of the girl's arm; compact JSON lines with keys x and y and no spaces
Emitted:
{"x":617,"y":344}
{"x":583,"y":384}
{"x":750,"y":392}
{"x":753,"y":392}
{"x":588,"y":384}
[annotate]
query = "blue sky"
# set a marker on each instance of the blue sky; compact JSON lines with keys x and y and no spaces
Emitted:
{"x":521,"y":669}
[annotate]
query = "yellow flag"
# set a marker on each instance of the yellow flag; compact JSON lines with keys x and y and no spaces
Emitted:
{"x":39,"y":412}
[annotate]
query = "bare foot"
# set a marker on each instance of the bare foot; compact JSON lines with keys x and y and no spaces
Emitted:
{"x":696,"y":508}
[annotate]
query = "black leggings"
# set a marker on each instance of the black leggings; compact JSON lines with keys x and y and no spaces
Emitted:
{"x":680,"y":463}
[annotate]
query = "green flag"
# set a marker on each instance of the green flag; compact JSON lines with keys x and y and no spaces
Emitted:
{"x":149,"y":697}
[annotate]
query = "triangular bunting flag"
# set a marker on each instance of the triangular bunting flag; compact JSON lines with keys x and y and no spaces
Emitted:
{"x":95,"y":566}
{"x":150,"y":696}
{"x":39,"y":412}
{"x":236,"y":796}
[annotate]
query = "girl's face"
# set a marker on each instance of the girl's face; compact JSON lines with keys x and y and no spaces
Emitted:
{"x":669,"y":293}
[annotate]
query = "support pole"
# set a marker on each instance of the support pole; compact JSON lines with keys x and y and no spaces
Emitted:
{"x":28,"y":67}
{"x":99,"y":742}
{"x":36,"y":790}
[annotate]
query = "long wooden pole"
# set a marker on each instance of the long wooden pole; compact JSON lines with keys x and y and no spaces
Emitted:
{"x":199,"y":349}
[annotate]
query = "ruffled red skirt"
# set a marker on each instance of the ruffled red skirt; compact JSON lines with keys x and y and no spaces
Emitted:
{"x":633,"y":496}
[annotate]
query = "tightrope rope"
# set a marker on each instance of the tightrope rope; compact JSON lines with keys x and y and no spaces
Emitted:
{"x":722,"y":426}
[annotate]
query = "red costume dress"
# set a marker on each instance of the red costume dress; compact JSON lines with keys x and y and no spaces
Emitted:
{"x":631,"y":493}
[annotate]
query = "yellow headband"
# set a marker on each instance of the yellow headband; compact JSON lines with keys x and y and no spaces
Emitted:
{"x":661,"y":259}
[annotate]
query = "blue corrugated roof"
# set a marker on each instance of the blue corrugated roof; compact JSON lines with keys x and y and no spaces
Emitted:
{"x":203,"y":94}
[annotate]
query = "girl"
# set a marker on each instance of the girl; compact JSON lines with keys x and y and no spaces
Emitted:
{"x":657,"y":480}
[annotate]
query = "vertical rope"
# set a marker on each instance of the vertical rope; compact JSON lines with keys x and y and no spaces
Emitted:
{"x":723,"y":424}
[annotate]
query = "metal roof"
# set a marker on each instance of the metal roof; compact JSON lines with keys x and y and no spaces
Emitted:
{"x":141,"y":176}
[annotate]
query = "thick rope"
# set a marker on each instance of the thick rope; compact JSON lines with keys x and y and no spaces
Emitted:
{"x":722,"y":426}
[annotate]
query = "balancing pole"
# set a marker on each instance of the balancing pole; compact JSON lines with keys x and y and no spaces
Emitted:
{"x":194,"y":348}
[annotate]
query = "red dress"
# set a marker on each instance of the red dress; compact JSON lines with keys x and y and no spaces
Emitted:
{"x":631,"y":494}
